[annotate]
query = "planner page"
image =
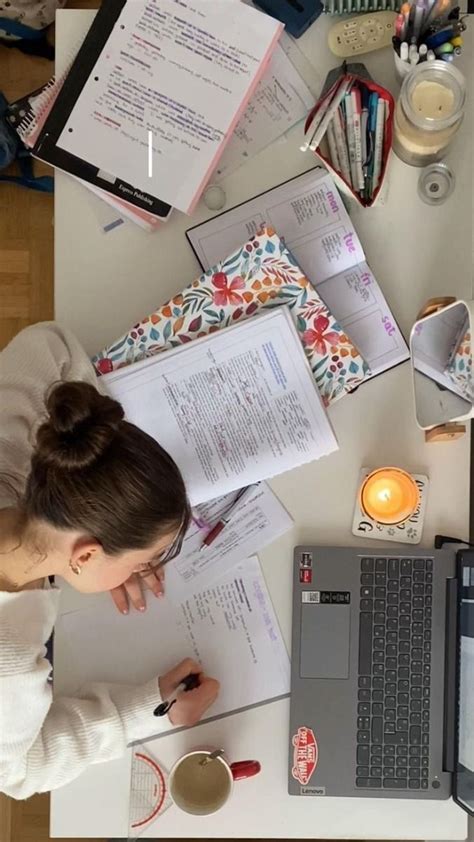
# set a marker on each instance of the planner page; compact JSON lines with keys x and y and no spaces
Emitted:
{"x":232,"y":408}
{"x":309,"y":214}
{"x":359,"y":305}
{"x":183,"y":70}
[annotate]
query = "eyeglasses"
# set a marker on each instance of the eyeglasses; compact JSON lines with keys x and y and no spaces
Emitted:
{"x":170,"y":552}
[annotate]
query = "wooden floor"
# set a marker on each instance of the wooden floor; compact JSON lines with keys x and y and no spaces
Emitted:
{"x":26,"y":296}
{"x":26,"y":217}
{"x":26,"y":221}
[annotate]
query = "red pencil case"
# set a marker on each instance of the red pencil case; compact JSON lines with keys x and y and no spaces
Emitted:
{"x":356,"y":75}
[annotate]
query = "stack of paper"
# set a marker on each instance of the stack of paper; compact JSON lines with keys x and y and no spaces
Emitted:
{"x":254,"y":523}
{"x":153,"y":96}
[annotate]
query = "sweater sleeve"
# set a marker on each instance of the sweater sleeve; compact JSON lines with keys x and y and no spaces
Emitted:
{"x":34,"y":360}
{"x":46,"y":742}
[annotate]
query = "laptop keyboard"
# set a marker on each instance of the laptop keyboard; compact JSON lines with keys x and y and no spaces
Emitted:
{"x":393,"y":711}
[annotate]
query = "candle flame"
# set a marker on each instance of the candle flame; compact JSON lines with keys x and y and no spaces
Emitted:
{"x":384,"y":495}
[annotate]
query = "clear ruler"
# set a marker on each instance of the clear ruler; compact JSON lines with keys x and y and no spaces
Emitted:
{"x":148,"y":791}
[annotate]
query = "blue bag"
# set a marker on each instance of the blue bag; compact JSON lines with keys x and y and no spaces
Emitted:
{"x":12,"y":149}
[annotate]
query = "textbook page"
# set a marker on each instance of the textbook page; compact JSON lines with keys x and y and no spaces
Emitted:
{"x":254,"y":523}
{"x":229,"y":627}
{"x":182,"y":71}
{"x":308,"y":213}
{"x":233,"y":408}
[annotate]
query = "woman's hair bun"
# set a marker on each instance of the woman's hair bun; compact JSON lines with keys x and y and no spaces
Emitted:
{"x":81,"y":425}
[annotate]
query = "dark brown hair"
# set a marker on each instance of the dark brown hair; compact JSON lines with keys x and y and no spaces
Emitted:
{"x":95,"y":472}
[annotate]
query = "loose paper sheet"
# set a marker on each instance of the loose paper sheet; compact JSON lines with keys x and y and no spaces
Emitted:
{"x":281,"y":100}
{"x":229,"y":626}
{"x":255,"y":522}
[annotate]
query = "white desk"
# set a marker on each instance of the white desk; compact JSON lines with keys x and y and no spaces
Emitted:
{"x":106,"y":281}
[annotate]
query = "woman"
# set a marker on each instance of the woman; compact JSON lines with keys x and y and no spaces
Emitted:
{"x":90,"y":498}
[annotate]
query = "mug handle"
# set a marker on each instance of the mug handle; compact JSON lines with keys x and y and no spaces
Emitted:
{"x":244,"y":769}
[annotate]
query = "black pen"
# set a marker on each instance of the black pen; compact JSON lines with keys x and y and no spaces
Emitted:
{"x":189,"y":683}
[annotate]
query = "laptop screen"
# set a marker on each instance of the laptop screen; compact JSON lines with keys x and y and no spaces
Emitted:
{"x":465,"y":753}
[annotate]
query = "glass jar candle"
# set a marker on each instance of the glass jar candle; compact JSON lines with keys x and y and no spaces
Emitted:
{"x":429,"y":112}
{"x":389,"y":496}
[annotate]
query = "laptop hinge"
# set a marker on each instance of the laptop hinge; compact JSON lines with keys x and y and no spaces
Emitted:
{"x":450,"y":676}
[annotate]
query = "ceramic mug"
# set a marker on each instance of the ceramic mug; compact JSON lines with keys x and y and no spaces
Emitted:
{"x":200,"y":786}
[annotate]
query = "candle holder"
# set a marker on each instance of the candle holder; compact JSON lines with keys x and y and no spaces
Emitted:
{"x":408,"y":530}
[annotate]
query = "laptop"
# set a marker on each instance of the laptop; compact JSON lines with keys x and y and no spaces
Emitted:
{"x":382,"y":685}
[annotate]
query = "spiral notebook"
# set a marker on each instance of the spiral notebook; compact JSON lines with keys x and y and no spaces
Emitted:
{"x":153,"y":97}
{"x":28,"y":115}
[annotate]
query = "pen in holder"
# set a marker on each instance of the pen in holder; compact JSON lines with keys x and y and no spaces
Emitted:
{"x":426,"y":30}
{"x":350,"y":130}
{"x":402,"y":61}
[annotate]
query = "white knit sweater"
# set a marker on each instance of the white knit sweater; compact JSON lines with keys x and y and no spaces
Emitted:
{"x":44,"y":741}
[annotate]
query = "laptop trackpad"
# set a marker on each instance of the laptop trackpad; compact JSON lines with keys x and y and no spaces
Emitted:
{"x":325,"y":638}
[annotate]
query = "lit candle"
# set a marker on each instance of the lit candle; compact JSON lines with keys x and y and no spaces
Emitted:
{"x":389,"y":496}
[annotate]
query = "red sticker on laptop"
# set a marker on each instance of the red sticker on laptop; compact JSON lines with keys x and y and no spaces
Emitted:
{"x":305,"y":755}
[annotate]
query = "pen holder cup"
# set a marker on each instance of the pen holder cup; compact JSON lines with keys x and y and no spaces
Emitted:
{"x":350,"y":130}
{"x":402,"y":68}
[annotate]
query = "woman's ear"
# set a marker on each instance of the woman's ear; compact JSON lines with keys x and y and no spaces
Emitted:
{"x":84,"y":550}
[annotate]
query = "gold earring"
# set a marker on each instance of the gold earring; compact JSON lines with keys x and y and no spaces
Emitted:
{"x":76,"y":568}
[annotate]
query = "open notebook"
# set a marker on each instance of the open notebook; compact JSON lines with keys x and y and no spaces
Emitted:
{"x":307,"y":212}
{"x":154,"y":95}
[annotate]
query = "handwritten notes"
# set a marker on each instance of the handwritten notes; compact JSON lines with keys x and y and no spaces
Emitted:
{"x":280,"y":101}
{"x":358,"y":303}
{"x":255,"y":522}
{"x":178,"y":70}
{"x":229,"y":626}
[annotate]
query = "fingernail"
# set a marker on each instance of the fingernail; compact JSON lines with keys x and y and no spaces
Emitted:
{"x":141,"y":607}
{"x":124,"y":610}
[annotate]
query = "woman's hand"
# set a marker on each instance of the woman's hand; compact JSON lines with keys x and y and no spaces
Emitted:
{"x":132,"y":591}
{"x":191,"y":705}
